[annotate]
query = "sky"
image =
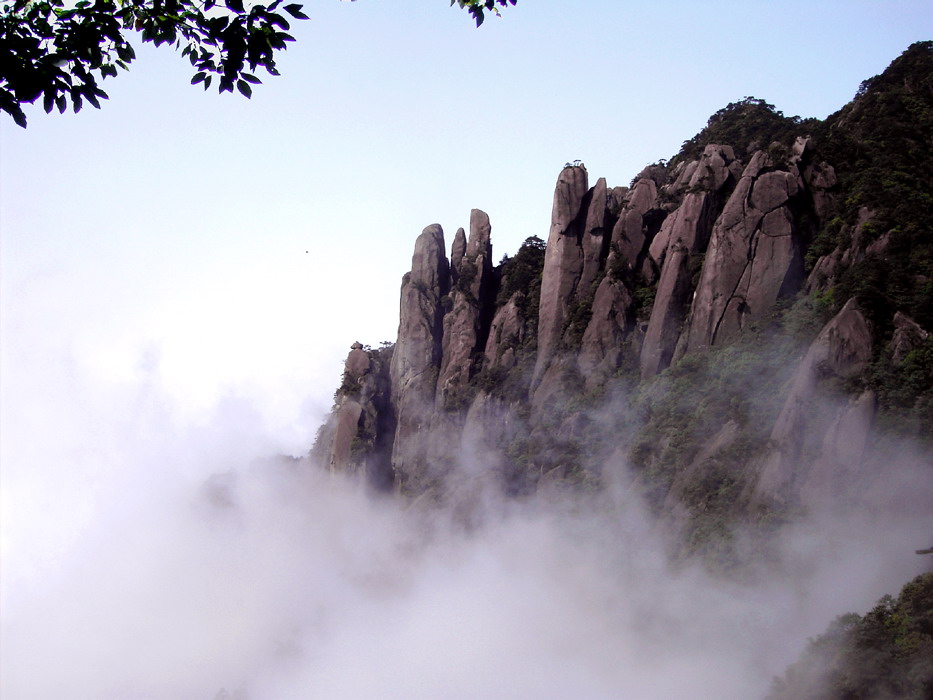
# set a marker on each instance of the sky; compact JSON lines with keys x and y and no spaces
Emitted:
{"x":182,"y":273}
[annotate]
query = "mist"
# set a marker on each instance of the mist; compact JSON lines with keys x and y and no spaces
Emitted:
{"x":149,"y":554}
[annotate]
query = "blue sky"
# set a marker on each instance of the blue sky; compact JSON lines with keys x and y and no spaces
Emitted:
{"x":182,"y":273}
{"x":173,"y":210}
{"x":165,"y":235}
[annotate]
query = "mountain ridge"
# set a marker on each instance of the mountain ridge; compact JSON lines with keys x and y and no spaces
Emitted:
{"x":743,"y":332}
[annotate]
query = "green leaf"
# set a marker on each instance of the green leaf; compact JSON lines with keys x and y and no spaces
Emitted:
{"x":198,"y":77}
{"x":49,"y":101}
{"x":61,"y":103}
{"x":207,"y":81}
{"x":235,"y":5}
{"x":244,"y":88}
{"x":251,"y":79}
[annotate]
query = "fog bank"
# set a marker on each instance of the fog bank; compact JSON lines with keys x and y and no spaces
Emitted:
{"x":173,"y":560}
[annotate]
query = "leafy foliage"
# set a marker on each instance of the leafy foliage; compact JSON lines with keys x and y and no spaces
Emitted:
{"x":684,"y":407}
{"x":54,"y":51}
{"x":522,"y":273}
{"x":905,"y":392}
{"x":742,"y":124}
{"x":888,"y":653}
{"x":478,"y":8}
{"x":60,"y":51}
{"x":881,"y":145}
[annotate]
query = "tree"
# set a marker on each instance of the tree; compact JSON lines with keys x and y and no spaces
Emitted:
{"x":477,"y":7}
{"x":59,"y":51}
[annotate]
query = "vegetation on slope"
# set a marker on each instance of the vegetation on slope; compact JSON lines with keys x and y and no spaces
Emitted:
{"x":747,"y":125}
{"x":887,"y":653}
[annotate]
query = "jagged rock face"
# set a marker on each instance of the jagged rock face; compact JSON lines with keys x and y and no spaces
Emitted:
{"x":505,"y":335}
{"x":691,"y":222}
{"x":465,"y":325}
{"x":361,"y":427}
{"x":828,"y":268}
{"x":595,"y":239}
{"x":908,"y":336}
{"x":563,"y":263}
{"x":457,"y":251}
{"x":417,"y":354}
{"x":820,"y":178}
{"x":753,"y":256}
{"x":685,"y":233}
{"x":630,"y":233}
{"x":667,"y":315}
{"x":842,"y":349}
{"x":602,"y":345}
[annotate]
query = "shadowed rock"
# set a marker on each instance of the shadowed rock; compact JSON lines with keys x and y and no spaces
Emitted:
{"x":595,"y":240}
{"x":361,"y":427}
{"x":629,"y":234}
{"x":466,"y":324}
{"x":506,"y":334}
{"x":667,"y":315}
{"x":563,"y":263}
{"x":417,"y":354}
{"x":602,"y":345}
{"x":685,"y":233}
{"x":752,"y":259}
{"x":457,"y":251}
{"x":908,"y":336}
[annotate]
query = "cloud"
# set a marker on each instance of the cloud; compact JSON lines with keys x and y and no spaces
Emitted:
{"x":152,"y":554}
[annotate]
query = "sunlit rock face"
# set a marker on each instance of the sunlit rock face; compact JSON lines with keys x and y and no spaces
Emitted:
{"x":470,"y":307}
{"x":636,"y":286}
{"x":563,"y":263}
{"x":683,"y":236}
{"x":754,"y":255}
{"x":417,"y":354}
{"x":360,"y":431}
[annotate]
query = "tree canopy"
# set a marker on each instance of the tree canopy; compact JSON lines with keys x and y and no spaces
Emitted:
{"x":59,"y":50}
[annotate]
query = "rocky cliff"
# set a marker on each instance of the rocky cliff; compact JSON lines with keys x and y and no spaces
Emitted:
{"x":736,"y":325}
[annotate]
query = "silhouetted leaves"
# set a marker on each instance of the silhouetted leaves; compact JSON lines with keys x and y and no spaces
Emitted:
{"x":53,"y":50}
{"x":477,"y":8}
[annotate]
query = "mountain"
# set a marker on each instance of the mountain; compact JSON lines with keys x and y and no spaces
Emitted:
{"x":744,"y":330}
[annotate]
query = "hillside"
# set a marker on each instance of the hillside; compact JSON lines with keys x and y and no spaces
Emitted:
{"x":743,"y":332}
